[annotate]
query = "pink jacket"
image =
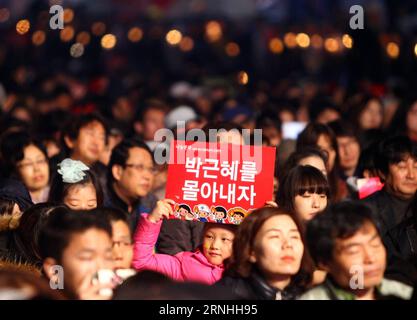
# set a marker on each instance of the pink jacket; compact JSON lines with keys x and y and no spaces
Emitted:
{"x":184,"y":266}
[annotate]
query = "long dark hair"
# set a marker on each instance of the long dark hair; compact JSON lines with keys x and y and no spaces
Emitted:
{"x":298,"y":181}
{"x":239,"y":263}
{"x":309,"y":138}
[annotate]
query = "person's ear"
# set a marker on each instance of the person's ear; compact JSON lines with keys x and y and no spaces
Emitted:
{"x":47,"y":265}
{"x":117,"y":172}
{"x":138,"y":126}
{"x":252,"y":257}
{"x":69,"y":142}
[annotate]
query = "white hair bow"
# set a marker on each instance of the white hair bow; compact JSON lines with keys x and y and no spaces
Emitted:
{"x":72,"y":171}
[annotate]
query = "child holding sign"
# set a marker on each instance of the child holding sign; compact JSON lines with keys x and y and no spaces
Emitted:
{"x":204,"y":265}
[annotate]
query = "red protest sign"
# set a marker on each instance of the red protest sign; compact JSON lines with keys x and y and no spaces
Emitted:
{"x":222,"y":183}
{"x":368,"y":186}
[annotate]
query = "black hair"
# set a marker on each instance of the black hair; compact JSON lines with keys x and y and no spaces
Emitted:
{"x":341,"y":221}
{"x":221,"y":209}
{"x":343,"y":129}
{"x":394,"y":150}
{"x":120,"y":153}
{"x":61,"y":225}
{"x":26,"y":237}
{"x":76,"y":123}
{"x":320,"y":104}
{"x":299,"y":180}
{"x":185,"y":206}
{"x":59,"y":188}
{"x":12,"y":147}
{"x":112,"y":214}
{"x":295,"y":158}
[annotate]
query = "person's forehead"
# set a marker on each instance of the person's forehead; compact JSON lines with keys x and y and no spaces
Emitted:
{"x":93,"y":125}
{"x":362,"y":235}
{"x":90,"y":239}
{"x":139,"y":154}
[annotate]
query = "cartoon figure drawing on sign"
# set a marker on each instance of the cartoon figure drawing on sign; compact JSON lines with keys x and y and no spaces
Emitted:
{"x":236,"y":215}
{"x":203,"y":212}
{"x":184,"y":212}
{"x":220,"y":214}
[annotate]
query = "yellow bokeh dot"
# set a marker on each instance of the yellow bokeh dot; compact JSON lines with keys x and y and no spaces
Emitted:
{"x":108,"y":41}
{"x":173,"y":37}
{"x":243,"y":78}
{"x":22,"y":26}
{"x":347,"y":41}
{"x":303,"y":40}
{"x":290,"y":40}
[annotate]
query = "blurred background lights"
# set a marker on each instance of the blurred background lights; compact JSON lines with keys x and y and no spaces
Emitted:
{"x":38,"y":38}
{"x":316,"y":41}
{"x":303,"y":40}
{"x":173,"y":37}
{"x":331,"y":45}
{"x":276,"y":46}
{"x":290,"y":40}
{"x":347,"y":41}
{"x":243,"y":78}
{"x":22,"y":26}
{"x":83,"y":37}
{"x":98,"y":28}
{"x":4,"y":14}
{"x":187,"y":44}
{"x":232,"y":49}
{"x":68,"y":15}
{"x":108,"y":41}
{"x":393,"y":50}
{"x":135,"y":34}
{"x":77,"y":50}
{"x":67,"y":34}
{"x":213,"y":31}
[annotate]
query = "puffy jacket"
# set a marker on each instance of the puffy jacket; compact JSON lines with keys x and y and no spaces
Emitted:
{"x":184,"y":266}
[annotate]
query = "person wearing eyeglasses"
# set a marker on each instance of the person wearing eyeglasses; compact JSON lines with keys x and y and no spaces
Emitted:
{"x":25,"y":159}
{"x":131,"y":174}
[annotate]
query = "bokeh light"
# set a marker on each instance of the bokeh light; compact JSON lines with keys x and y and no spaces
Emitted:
{"x":108,"y":41}
{"x":38,"y":38}
{"x":76,"y":50}
{"x":243,"y":78}
{"x":22,"y":26}
{"x":303,"y":40}
{"x":232,"y":49}
{"x":187,"y":44}
{"x":289,"y":40}
{"x":135,"y":34}
{"x":173,"y":37}
{"x":214,"y":31}
{"x":67,"y":34}
{"x":276,"y":45}
{"x":393,"y":50}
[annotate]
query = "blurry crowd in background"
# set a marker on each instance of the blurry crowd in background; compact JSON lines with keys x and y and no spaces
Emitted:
{"x":80,"y":108}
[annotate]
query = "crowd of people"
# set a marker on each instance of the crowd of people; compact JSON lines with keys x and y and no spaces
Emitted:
{"x":83,"y":213}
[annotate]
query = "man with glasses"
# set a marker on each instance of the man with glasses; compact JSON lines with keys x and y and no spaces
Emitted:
{"x":130,"y":179}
